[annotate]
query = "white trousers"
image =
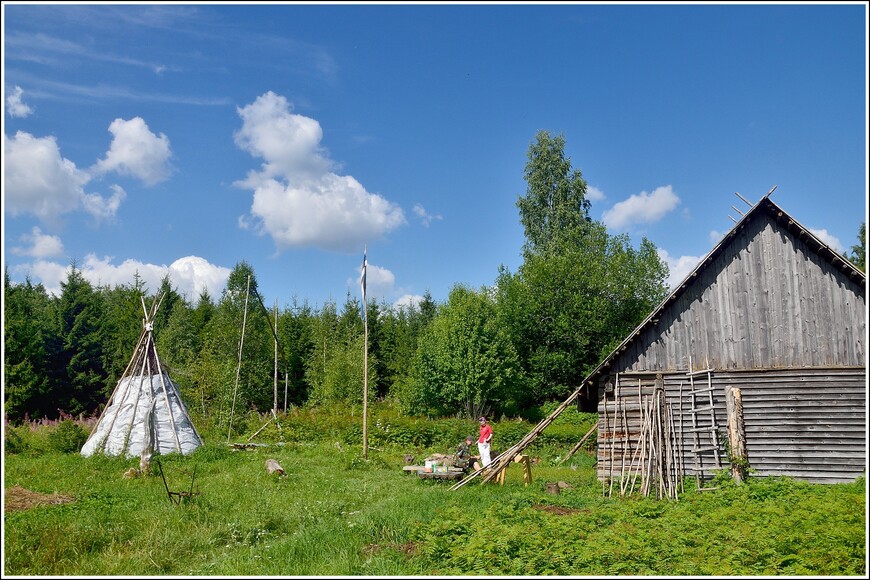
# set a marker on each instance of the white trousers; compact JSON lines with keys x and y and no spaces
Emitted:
{"x":484,"y":453}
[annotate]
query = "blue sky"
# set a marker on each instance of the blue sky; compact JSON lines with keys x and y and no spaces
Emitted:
{"x":183,"y":139}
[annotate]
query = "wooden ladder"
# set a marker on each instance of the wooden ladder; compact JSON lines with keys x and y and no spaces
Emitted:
{"x":710,"y":442}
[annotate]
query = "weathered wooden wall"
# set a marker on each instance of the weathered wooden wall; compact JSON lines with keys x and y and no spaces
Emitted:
{"x":773,"y":312}
{"x":766,"y":301}
{"x":807,"y":423}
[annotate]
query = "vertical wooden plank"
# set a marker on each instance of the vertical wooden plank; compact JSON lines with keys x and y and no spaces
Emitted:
{"x":792,"y":305}
{"x":772,"y":269}
{"x":761,"y":310}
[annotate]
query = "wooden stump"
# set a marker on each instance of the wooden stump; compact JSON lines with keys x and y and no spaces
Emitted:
{"x":273,"y":466}
{"x":553,"y":489}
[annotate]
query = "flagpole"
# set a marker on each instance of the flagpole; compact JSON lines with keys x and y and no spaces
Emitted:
{"x":366,"y":387}
{"x":365,"y":361}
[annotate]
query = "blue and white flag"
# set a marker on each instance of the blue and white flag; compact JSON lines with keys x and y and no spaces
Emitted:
{"x":362,"y":282}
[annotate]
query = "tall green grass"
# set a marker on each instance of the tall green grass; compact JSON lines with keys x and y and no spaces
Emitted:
{"x":335,"y":514}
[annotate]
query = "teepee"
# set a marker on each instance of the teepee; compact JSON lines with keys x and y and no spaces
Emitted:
{"x":145,"y":414}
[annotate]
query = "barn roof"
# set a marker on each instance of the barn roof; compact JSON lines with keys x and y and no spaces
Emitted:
{"x":763,"y":207}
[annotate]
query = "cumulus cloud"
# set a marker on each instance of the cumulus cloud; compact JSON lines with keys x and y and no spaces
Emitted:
{"x":136,"y":151}
{"x":39,"y":180}
{"x":49,"y":274}
{"x":679,"y":267}
{"x":39,"y":245}
{"x":298,"y":198}
{"x":101,"y":207}
{"x":828,"y":239}
{"x":641,"y":208}
{"x":193,"y":274}
{"x":407,"y":301}
{"x":189,"y":275}
{"x":594,"y":194}
{"x":15,"y":106}
{"x":426,"y":218}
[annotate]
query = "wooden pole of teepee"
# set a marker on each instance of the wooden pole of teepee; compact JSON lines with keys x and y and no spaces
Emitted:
{"x":135,"y":361}
{"x":166,"y":397}
{"x":239,"y":367}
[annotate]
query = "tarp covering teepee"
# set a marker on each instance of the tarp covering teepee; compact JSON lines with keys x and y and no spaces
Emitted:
{"x":145,"y":413}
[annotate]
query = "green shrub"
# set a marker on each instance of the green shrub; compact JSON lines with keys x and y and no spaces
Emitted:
{"x":13,"y":443}
{"x":67,"y":437}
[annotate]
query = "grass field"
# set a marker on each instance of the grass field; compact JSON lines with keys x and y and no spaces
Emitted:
{"x":335,"y":514}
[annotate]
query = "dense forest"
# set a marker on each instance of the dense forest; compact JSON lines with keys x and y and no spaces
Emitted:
{"x":529,"y":338}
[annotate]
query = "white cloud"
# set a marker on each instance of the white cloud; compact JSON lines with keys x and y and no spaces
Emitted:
{"x":39,"y":245}
{"x":15,"y":106}
{"x":137,"y":152}
{"x":101,"y":207}
{"x":193,"y":274}
{"x":679,"y":267}
{"x":643,"y":207}
{"x":49,"y":274}
{"x":189,"y":275}
{"x":407,"y":301}
{"x":298,"y":199}
{"x":426,"y":218}
{"x":594,"y":194}
{"x":289,"y":143}
{"x":828,"y":239}
{"x":38,"y":179}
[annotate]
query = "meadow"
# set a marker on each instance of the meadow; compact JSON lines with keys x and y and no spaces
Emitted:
{"x":335,"y":513}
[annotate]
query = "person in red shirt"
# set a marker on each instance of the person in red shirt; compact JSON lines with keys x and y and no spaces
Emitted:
{"x":484,"y":441}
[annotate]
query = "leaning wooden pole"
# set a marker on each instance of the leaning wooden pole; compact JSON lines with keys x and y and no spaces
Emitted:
{"x":239,"y":367}
{"x":577,"y":447}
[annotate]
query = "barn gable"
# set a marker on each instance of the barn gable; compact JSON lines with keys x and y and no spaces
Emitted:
{"x":773,"y":311}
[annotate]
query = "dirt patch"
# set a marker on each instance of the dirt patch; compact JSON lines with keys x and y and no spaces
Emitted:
{"x":559,"y":510}
{"x":18,"y":498}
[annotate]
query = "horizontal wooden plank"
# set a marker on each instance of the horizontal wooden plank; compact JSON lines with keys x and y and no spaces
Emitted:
{"x":779,"y":427}
{"x":816,"y":414}
{"x":811,"y":478}
{"x":763,"y":405}
{"x":815,"y":455}
{"x":815,"y":474}
{"x":834,"y":440}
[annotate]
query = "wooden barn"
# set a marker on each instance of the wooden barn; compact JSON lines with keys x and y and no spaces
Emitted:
{"x":775,"y":317}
